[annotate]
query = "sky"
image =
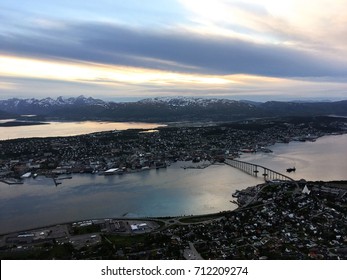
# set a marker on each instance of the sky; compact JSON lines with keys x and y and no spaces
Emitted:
{"x":129,"y":50}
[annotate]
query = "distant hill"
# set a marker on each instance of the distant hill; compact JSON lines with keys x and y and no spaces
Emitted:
{"x":167,"y":109}
{"x":305,"y":109}
{"x":7,"y":115}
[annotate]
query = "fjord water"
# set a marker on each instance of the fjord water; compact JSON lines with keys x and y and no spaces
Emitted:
{"x":325,"y":159}
{"x":164,"y":192}
{"x":53,"y":129}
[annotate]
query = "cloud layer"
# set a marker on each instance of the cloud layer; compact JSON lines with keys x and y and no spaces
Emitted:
{"x":168,"y":50}
{"x":294,"y":42}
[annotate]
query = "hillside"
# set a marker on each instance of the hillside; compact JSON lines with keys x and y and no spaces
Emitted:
{"x":166,"y":109}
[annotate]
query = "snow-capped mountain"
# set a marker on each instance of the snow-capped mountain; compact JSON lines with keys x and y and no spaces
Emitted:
{"x":182,"y":101}
{"x":46,"y":105}
{"x":165,"y":109}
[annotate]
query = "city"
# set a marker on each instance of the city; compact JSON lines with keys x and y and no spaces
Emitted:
{"x":118,"y":152}
{"x":275,"y":220}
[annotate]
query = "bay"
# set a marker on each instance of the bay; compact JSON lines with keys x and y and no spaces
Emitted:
{"x":53,"y":129}
{"x":173,"y":191}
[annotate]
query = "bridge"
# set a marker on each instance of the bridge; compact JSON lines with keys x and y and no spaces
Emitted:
{"x":256,"y":170}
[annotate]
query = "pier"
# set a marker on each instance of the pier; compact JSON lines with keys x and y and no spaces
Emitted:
{"x":257,"y":170}
{"x":11,"y":181}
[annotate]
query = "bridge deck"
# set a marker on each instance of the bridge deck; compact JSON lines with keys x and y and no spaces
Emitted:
{"x":254,"y":169}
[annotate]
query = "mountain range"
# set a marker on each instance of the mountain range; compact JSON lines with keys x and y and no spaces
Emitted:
{"x":164,"y":109}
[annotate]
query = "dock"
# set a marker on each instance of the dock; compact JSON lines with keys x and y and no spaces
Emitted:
{"x":11,"y":181}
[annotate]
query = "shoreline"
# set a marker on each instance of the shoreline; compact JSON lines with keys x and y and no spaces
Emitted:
{"x":265,"y":149}
{"x":67,"y":131}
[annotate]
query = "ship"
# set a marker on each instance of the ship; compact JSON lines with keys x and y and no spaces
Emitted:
{"x":291,"y":169}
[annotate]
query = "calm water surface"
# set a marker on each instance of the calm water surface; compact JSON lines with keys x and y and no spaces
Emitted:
{"x":325,"y":159}
{"x":163,"y":192}
{"x":68,"y":129}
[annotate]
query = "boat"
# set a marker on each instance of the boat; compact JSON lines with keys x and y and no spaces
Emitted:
{"x":291,"y":169}
{"x":112,"y":171}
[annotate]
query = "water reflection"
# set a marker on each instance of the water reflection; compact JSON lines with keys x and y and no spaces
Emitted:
{"x":7,"y":120}
{"x":324,"y":159}
{"x":69,"y":129}
{"x":165,"y":192}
